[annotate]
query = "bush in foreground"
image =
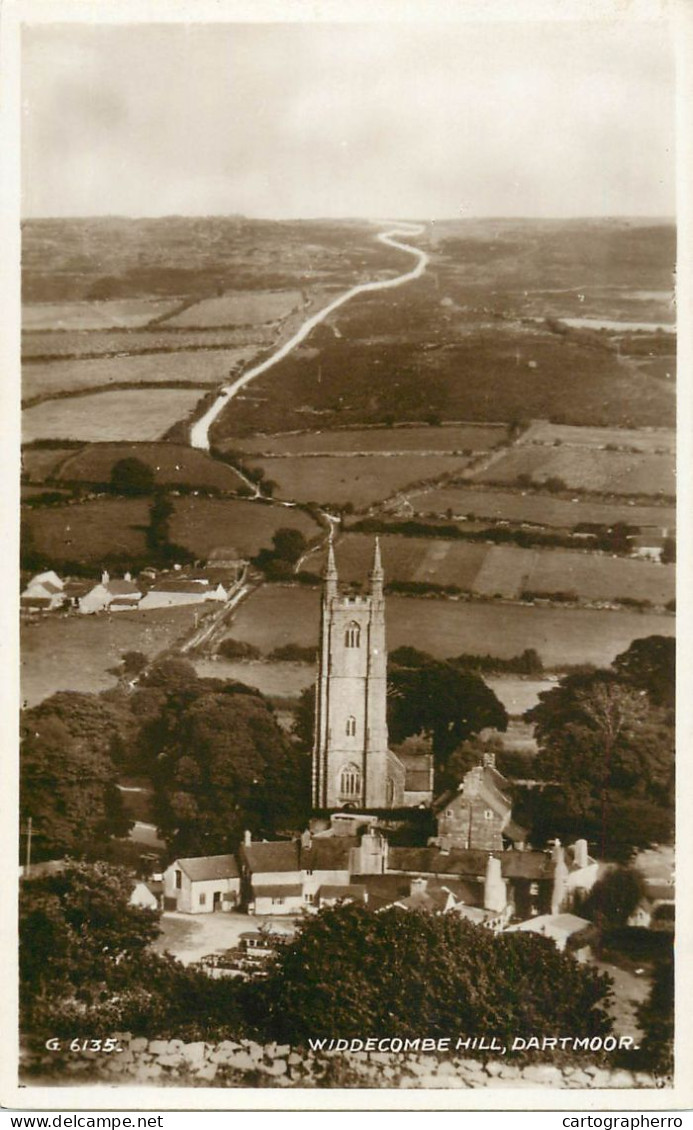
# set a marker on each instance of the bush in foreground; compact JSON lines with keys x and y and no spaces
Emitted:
{"x":353,"y":973}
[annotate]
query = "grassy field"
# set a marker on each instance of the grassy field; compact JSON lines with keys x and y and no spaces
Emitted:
{"x":649,"y":440}
{"x":610,"y":472}
{"x":75,"y":652}
{"x":540,"y":508}
{"x":359,"y":479}
{"x":285,"y":680}
{"x":39,"y":463}
{"x":502,"y":570}
{"x":124,"y":414}
{"x":447,"y":439}
{"x":239,"y":308}
{"x":204,"y":367}
{"x":172,"y":464}
{"x":201,"y":524}
{"x":123,"y":312}
{"x":89,"y":530}
{"x":278,"y":614}
{"x":76,"y":343}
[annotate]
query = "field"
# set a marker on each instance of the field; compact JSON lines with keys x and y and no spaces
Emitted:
{"x":206,"y":367}
{"x":541,"y":509}
{"x":40,"y":463}
{"x":609,"y":472}
{"x":94,"y":315}
{"x":649,"y":440}
{"x":503,"y":570}
{"x":173,"y":464}
{"x":124,"y":414}
{"x":359,"y":479}
{"x":239,"y":309}
{"x":448,"y":439}
{"x":88,"y":531}
{"x":201,"y":524}
{"x":278,"y":614}
{"x":75,"y":652}
{"x":78,"y":343}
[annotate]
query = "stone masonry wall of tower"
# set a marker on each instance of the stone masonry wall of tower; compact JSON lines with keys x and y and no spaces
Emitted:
{"x":350,"y":758}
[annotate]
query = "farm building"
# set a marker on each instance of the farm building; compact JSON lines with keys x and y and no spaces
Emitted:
{"x":182,"y":590}
{"x":567,"y":931}
{"x":202,"y":884}
{"x":114,"y":596}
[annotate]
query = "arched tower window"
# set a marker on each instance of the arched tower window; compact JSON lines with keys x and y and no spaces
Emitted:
{"x":352,"y":635}
{"x":351,"y":726}
{"x":390,"y":791}
{"x":350,"y":782}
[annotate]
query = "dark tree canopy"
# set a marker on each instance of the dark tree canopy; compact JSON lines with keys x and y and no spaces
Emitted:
{"x":438,"y":699}
{"x":132,"y":476}
{"x":608,"y":748}
{"x":220,"y":764}
{"x":68,"y":775}
{"x":614,"y":897}
{"x":352,"y":973}
{"x":650,"y":664}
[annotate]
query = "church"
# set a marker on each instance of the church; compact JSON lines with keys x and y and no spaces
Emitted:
{"x":352,"y":764}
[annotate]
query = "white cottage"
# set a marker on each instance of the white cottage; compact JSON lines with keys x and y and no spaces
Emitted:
{"x":202,"y":884}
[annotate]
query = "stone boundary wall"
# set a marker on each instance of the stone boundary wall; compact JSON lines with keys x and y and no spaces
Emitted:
{"x":161,"y":1062}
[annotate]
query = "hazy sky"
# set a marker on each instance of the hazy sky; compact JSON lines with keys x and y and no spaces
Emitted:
{"x":376,"y":120}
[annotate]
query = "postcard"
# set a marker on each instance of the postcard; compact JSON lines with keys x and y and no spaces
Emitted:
{"x":342,"y":423}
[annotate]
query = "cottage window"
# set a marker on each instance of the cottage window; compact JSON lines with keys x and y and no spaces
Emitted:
{"x":203,"y":900}
{"x":277,"y":901}
{"x":307,"y":897}
{"x":179,"y":880}
{"x":351,"y":726}
{"x":534,"y":888}
{"x":350,"y":781}
{"x":352,"y":635}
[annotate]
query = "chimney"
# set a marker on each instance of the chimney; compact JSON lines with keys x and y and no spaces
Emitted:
{"x":560,"y":876}
{"x":247,"y":837}
{"x":580,"y":856}
{"x":495,"y":894}
{"x":105,"y":577}
{"x":306,"y":838}
{"x":127,"y":576}
{"x":417,"y":885}
{"x":489,"y":759}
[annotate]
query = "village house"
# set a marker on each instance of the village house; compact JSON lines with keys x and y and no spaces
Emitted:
{"x":43,"y":593}
{"x":478,"y":814}
{"x":655,"y":911}
{"x":111,"y":595}
{"x":202,"y":884}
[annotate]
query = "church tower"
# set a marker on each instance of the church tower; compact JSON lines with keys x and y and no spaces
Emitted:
{"x":351,"y":762}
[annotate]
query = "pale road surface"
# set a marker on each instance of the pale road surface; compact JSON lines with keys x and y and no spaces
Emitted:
{"x":199,"y":432}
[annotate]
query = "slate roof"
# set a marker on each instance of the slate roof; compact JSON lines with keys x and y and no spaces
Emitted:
{"x":349,"y":890}
{"x":328,"y":854}
{"x":121,"y":588}
{"x":470,"y":863}
{"x":203,"y":867}
{"x":271,"y":856}
{"x":277,"y":890}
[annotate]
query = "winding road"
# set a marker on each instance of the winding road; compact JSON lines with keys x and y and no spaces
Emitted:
{"x":199,"y":432}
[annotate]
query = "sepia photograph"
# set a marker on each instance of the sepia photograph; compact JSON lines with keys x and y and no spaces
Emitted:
{"x":347,"y":563}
